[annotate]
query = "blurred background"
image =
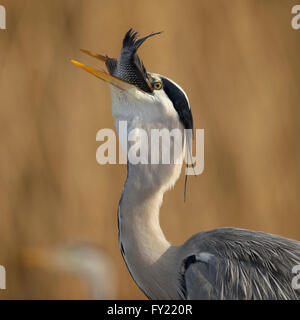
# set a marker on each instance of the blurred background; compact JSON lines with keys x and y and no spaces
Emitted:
{"x":238,"y":62}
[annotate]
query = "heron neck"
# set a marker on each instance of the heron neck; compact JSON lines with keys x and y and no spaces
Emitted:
{"x":146,"y":251}
{"x":144,"y":247}
{"x":139,"y":228}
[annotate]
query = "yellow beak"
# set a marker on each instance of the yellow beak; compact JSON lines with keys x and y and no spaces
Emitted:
{"x":103,"y":75}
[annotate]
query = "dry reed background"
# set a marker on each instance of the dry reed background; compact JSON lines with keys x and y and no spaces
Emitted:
{"x":237,"y":60}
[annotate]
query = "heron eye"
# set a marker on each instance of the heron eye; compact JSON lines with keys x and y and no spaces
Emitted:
{"x":157,"y":85}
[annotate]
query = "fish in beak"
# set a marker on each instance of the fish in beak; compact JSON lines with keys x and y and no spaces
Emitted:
{"x":126,"y":73}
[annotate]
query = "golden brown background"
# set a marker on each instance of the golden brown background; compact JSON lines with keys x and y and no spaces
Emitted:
{"x":238,"y":61}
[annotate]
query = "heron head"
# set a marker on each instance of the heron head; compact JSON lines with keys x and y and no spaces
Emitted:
{"x":137,"y":93}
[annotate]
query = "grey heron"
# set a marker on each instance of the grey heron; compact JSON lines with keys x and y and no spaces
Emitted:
{"x":225,"y":263}
{"x":90,"y":263}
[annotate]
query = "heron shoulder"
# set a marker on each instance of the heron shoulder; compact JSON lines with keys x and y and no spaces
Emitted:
{"x":231,"y":263}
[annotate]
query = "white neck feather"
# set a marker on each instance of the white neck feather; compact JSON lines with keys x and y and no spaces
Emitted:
{"x":143,"y":244}
{"x":145,"y":249}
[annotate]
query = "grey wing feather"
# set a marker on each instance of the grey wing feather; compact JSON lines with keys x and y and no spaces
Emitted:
{"x":200,"y":281}
{"x":240,"y":264}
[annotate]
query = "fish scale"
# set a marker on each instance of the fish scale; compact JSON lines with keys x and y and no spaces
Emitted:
{"x":129,"y":66}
